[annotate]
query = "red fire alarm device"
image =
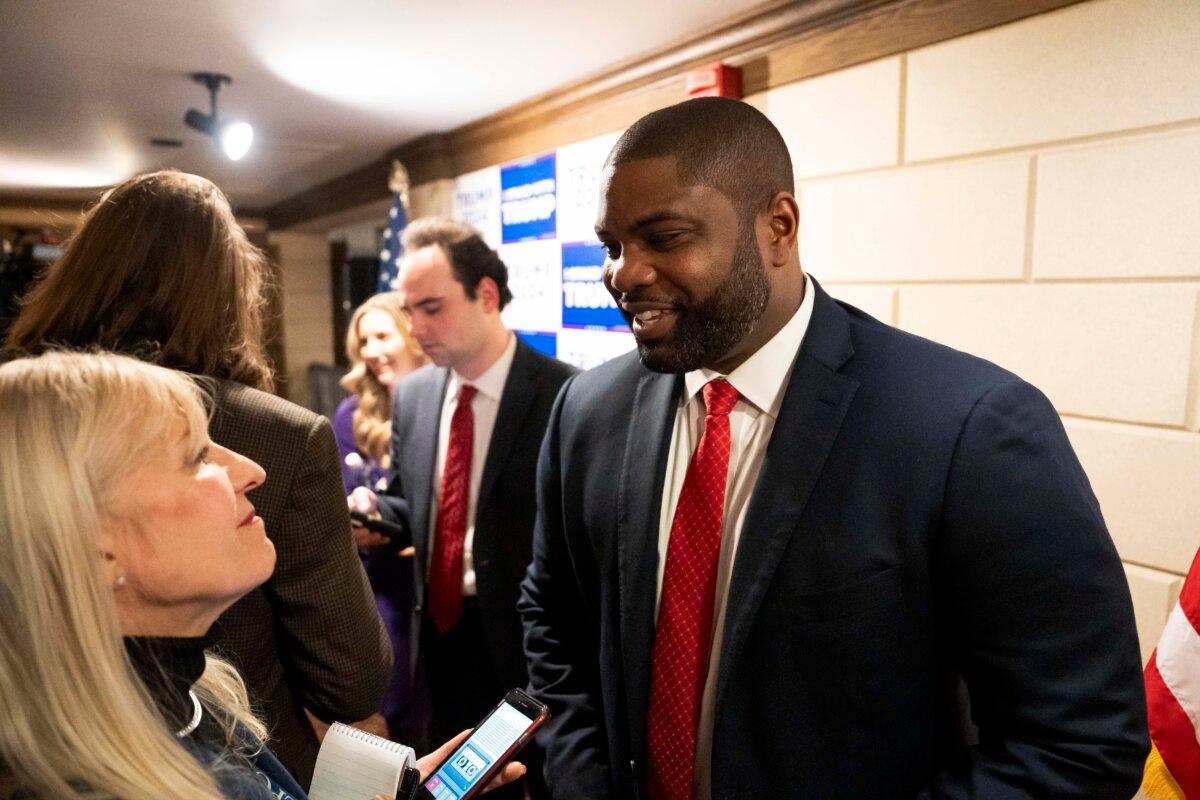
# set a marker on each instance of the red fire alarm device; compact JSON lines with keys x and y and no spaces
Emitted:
{"x":715,"y":80}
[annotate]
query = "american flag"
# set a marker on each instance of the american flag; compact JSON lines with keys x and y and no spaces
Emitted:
{"x":1173,"y":700}
{"x":389,"y":253}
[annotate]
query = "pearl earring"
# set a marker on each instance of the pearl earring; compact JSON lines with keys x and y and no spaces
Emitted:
{"x":120,"y":582}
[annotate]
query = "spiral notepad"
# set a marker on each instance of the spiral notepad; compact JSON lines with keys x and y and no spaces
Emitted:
{"x":356,"y":765}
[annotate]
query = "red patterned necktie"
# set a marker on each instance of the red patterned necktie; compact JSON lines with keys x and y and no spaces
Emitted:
{"x":685,"y":609}
{"x":450,"y":531}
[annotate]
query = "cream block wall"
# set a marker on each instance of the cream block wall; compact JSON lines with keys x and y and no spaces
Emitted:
{"x":1148,"y":482}
{"x":1154,"y":594}
{"x":432,"y":199}
{"x":1118,"y":351}
{"x":307,"y":305}
{"x":827,"y":135}
{"x":1120,"y":210}
{"x":1029,"y":194}
{"x":919,"y":224}
{"x":1099,"y":67}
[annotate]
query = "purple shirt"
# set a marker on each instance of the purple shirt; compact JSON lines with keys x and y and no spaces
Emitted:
{"x":371,"y":472}
{"x":391,"y":578}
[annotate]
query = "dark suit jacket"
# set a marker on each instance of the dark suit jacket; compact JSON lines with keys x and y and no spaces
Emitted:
{"x":506,"y":507}
{"x":309,"y":637}
{"x":919,"y":515}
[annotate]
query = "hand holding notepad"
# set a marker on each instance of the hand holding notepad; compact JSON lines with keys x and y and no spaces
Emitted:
{"x":356,"y":765}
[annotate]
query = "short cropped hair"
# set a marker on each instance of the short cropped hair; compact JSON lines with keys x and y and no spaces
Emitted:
{"x":726,"y":144}
{"x":469,"y":256}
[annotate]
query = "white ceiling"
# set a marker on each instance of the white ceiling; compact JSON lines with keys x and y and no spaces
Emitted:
{"x":328,"y":86}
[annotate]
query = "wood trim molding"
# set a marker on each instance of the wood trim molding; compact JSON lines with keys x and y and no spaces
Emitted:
{"x":367,"y":183}
{"x":61,"y":211}
{"x":758,"y":30}
{"x":70,"y":203}
{"x":776,"y":43}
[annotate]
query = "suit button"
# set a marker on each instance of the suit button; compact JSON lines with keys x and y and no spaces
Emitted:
{"x":418,"y":608}
{"x":632,"y":765}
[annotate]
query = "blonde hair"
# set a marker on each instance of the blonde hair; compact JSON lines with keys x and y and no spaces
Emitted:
{"x":158,"y":268}
{"x":372,"y":423}
{"x":77,"y":720}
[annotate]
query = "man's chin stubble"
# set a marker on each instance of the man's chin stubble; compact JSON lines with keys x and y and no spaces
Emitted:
{"x":671,"y":357}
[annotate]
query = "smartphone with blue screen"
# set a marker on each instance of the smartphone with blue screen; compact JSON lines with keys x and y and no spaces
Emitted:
{"x":490,"y":746}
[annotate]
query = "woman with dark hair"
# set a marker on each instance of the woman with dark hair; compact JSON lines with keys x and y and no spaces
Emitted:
{"x":159,"y":261}
{"x":159,"y":268}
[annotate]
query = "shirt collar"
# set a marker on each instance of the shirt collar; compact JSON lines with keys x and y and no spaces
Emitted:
{"x":759,"y":379}
{"x":491,"y":382}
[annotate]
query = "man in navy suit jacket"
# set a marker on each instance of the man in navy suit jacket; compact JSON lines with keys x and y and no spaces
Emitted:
{"x":454,"y":287}
{"x":900,"y":521}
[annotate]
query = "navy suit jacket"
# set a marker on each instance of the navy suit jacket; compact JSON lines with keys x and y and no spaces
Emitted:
{"x":505,"y":509}
{"x":919,"y":516}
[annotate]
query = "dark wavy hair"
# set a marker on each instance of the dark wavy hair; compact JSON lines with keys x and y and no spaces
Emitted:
{"x":469,"y":256}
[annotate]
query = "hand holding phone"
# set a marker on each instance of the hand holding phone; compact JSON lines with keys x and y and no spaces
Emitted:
{"x":390,"y":529}
{"x":470,"y":767}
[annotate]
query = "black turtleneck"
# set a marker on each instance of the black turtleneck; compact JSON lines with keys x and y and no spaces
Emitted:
{"x":169,"y":666}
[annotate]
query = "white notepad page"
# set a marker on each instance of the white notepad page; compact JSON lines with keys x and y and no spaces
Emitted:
{"x":356,"y":765}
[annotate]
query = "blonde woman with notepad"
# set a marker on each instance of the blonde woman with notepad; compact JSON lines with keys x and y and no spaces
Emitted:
{"x":124,"y":533}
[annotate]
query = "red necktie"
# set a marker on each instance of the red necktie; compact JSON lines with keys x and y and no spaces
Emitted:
{"x":450,"y":531}
{"x":685,"y":610}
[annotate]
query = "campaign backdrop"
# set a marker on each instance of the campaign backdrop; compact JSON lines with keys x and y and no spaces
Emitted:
{"x":539,"y":214}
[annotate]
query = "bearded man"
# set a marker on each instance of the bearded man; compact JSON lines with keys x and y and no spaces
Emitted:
{"x":779,"y":546}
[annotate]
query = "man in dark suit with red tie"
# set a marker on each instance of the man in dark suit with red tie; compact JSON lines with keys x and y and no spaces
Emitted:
{"x":465,"y":437}
{"x":774,"y":543}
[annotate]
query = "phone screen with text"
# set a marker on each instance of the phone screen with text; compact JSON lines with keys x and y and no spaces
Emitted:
{"x":472,"y":760}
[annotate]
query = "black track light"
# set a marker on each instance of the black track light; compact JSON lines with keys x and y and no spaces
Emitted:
{"x":234,"y":137}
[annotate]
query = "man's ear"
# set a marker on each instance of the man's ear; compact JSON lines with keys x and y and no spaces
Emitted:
{"x":488,"y":293}
{"x":783,"y":225}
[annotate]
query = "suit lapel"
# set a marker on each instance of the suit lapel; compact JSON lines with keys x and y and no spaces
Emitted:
{"x":814,"y":406}
{"x":424,"y":444}
{"x":520,"y":388}
{"x":639,"y":503}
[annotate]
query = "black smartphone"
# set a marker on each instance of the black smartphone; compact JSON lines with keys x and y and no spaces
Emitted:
{"x":490,"y":746}
{"x":395,"y":532}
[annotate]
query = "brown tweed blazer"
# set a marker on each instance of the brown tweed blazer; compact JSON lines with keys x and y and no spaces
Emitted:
{"x":309,"y":637}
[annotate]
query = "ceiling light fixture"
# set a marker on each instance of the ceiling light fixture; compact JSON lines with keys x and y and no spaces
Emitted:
{"x":234,"y":136}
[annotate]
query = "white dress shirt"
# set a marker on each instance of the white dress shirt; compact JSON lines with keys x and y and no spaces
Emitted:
{"x":484,"y":405}
{"x":761,"y":381}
